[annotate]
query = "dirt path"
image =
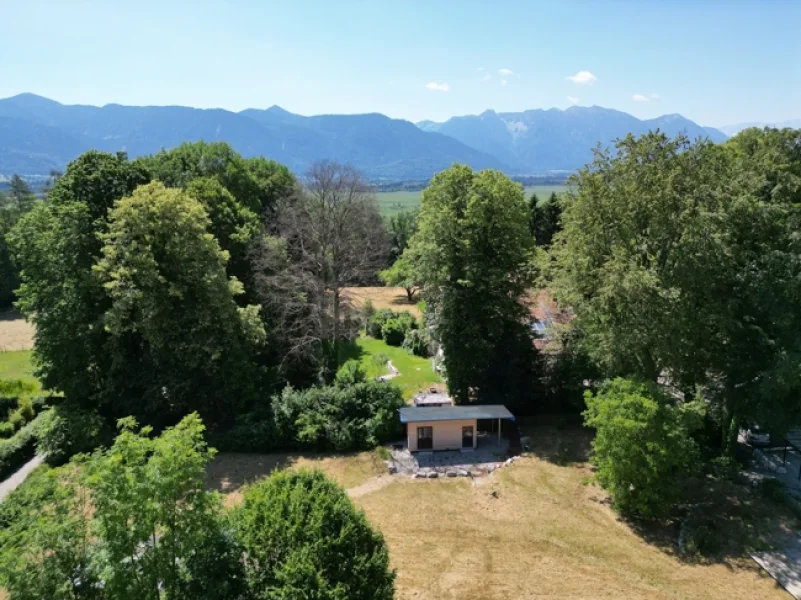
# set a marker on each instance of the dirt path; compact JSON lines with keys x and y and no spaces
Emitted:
{"x":370,"y":486}
{"x":16,"y":479}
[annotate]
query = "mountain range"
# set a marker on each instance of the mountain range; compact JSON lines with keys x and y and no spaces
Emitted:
{"x":38,"y":134}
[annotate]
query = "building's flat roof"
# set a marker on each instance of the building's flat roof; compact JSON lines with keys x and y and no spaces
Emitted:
{"x":417,"y":414}
{"x":432,"y":398}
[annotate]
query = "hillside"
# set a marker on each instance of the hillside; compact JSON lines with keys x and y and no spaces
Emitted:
{"x":537,"y":141}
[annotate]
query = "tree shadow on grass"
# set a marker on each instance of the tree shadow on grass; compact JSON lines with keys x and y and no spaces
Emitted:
{"x":565,"y":446}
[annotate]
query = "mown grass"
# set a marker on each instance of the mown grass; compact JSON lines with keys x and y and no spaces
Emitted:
{"x":390,"y":203}
{"x":18,"y":365}
{"x":415,"y":373}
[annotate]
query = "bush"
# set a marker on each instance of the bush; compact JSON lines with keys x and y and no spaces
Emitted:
{"x":702,"y":538}
{"x":393,"y":332}
{"x":349,"y":374}
{"x":342,"y":419}
{"x":253,"y":432}
{"x":642,"y":445}
{"x":376,"y":322}
{"x":418,"y":343}
{"x":725,"y":467}
{"x":66,"y":430}
{"x":303,"y":538}
{"x":7,"y":429}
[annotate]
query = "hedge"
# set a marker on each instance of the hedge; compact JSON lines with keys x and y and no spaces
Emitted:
{"x":18,"y":449}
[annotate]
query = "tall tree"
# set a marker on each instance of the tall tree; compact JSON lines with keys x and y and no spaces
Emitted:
{"x":179,"y":343}
{"x":470,"y":252}
{"x":401,"y":227}
{"x":20,"y":194}
{"x":55,"y":245}
{"x":544,"y":218}
{"x":334,"y":237}
{"x":681,"y":260}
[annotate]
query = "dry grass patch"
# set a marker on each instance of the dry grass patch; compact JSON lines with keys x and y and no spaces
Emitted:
{"x":230,"y":472}
{"x":536,"y":529}
{"x":15,"y":332}
{"x":393,"y":298}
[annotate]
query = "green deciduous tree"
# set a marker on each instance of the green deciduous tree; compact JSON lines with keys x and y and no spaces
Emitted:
{"x":642,"y":445}
{"x":401,"y":274}
{"x":401,"y":227}
{"x":303,"y":538}
{"x":178,"y":341}
{"x":470,"y":253}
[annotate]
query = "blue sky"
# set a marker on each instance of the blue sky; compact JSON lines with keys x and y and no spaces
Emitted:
{"x":716,"y":62}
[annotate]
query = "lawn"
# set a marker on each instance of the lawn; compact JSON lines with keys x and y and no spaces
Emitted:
{"x":390,"y":203}
{"x":17,"y":365}
{"x":415,"y":373}
{"x":537,"y":529}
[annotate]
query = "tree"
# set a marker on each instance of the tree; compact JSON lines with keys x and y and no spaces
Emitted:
{"x":401,"y":274}
{"x":470,"y":253}
{"x":20,"y":195}
{"x":544,"y":219}
{"x":55,"y":246}
{"x":303,"y":538}
{"x":155,"y":520}
{"x":401,"y":228}
{"x":681,"y":260}
{"x":334,"y":237}
{"x":642,"y":445}
{"x":178,"y":341}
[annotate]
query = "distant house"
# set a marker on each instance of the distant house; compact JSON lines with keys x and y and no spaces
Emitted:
{"x":448,"y":427}
{"x":432,"y":398}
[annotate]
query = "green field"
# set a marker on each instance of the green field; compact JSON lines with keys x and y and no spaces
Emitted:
{"x":17,"y":365}
{"x":391,"y":203}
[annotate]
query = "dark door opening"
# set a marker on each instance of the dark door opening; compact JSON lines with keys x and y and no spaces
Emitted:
{"x":425,"y":438}
{"x":467,"y":436}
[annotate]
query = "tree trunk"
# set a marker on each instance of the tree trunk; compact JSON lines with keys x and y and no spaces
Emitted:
{"x":731,"y":423}
{"x":410,"y":293}
{"x":337,"y":348}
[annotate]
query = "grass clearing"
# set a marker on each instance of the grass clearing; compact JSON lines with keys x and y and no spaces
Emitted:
{"x":393,"y":298}
{"x":15,"y":332}
{"x":18,"y":365}
{"x":390,"y":203}
{"x":544,"y":534}
{"x":229,"y":472}
{"x":416,"y":373}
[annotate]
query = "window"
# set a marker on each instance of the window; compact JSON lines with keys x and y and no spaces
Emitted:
{"x":425,"y":438}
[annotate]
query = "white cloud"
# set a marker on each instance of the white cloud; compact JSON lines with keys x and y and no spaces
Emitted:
{"x":572,"y":100}
{"x":505,"y":72}
{"x":479,"y":69}
{"x":583,"y":78}
{"x":487,"y":77}
{"x":504,"y":82}
{"x":640,"y":98}
{"x":438,"y":87}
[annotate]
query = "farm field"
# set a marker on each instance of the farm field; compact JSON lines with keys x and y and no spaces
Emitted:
{"x":536,"y":529}
{"x":15,"y":332}
{"x":391,"y":203}
{"x":393,"y":298}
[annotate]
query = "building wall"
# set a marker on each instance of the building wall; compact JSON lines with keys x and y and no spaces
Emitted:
{"x":447,"y":434}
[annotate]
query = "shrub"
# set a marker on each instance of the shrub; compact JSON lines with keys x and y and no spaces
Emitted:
{"x":393,"y":332}
{"x":303,"y":538}
{"x":725,"y":467}
{"x":417,"y":342}
{"x":67,"y":430}
{"x":332,"y":418}
{"x":702,"y":537}
{"x":642,"y":445}
{"x":368,"y":310}
{"x":7,"y":429}
{"x":349,"y":374}
{"x":252,"y":432}
{"x":376,"y":322}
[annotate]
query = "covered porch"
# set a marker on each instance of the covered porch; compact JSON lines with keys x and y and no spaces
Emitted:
{"x":451,"y":427}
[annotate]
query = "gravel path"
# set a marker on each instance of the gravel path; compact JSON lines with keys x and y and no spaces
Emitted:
{"x":10,"y":484}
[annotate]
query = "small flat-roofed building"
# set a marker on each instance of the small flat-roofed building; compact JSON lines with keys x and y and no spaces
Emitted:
{"x":448,"y":427}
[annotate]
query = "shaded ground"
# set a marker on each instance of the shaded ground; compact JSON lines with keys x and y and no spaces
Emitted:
{"x":784,"y":565}
{"x":230,"y":472}
{"x":15,"y":332}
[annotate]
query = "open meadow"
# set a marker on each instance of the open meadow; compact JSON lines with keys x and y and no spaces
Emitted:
{"x":391,"y":203}
{"x":534,"y":529}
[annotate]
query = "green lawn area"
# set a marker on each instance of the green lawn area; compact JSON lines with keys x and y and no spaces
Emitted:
{"x":17,"y":365}
{"x":391,"y":203}
{"x":416,"y":372}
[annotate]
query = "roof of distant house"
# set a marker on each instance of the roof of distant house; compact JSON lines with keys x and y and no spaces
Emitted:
{"x":417,"y":414}
{"x":432,"y":398}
